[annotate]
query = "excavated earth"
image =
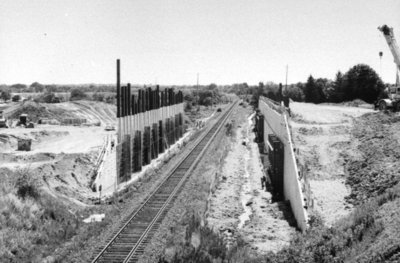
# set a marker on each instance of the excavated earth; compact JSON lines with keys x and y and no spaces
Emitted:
{"x":62,"y":157}
{"x":240,"y":207}
{"x":323,"y":139}
{"x":377,"y":168}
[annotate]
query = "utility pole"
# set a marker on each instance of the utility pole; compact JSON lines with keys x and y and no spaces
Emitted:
{"x":197,"y":82}
{"x":198,"y":92}
{"x":287,"y":69}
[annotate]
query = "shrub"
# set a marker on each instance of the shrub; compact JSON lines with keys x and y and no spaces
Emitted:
{"x":48,"y":97}
{"x":77,"y":94}
{"x":5,"y":95}
{"x":98,"y":96}
{"x":16,"y":98}
{"x":188,"y":106}
{"x":26,"y":185}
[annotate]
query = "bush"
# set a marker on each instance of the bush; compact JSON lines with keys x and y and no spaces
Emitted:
{"x":362,"y":82}
{"x":16,"y":98}
{"x":48,"y":97}
{"x":110,"y":99}
{"x":5,"y":95}
{"x":77,"y":94}
{"x":26,"y":185}
{"x":98,"y":96}
{"x":211,"y":248}
{"x":188,"y":106}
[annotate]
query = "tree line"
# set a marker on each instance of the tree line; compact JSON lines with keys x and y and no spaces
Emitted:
{"x":359,"y":82}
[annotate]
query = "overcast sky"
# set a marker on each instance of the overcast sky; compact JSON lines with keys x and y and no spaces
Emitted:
{"x":169,"y":41}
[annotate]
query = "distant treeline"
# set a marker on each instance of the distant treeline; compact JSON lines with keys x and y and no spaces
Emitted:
{"x":359,"y":82}
{"x":194,"y":95}
{"x":36,"y":87}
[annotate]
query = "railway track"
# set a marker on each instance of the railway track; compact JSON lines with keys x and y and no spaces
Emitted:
{"x":130,"y":241}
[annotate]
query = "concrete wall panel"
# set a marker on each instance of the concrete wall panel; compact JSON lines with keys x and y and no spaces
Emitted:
{"x":277,"y":123}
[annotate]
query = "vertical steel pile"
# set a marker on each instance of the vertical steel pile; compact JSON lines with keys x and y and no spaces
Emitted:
{"x":149,"y":122}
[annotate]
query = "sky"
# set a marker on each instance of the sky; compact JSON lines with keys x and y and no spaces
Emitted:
{"x":168,"y":42}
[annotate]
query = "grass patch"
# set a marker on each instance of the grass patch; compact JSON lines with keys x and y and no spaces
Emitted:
{"x":35,"y":226}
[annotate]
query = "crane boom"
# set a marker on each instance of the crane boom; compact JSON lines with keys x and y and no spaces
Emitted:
{"x":391,"y":41}
{"x":393,"y":99}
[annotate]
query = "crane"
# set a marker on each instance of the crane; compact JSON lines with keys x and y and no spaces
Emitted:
{"x":394,"y":93}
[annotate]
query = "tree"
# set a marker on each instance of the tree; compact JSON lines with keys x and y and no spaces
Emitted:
{"x":335,"y":92}
{"x":111,"y":99}
{"x":208,"y":101}
{"x":295,"y":92}
{"x":362,"y":82}
{"x":98,"y":96}
{"x":256,"y":95}
{"x":77,"y":94}
{"x":212,"y":86}
{"x":323,"y":86}
{"x":313,"y":90}
{"x":308,"y":89}
{"x":50,"y":88}
{"x":37,"y":87}
{"x":5,"y":95}
{"x":271,"y":95}
{"x":16,"y":98}
{"x":18,"y":87}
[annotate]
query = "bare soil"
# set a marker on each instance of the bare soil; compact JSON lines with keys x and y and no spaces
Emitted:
{"x":377,"y":167}
{"x":323,"y":136}
{"x":61,"y":156}
{"x":239,"y":207}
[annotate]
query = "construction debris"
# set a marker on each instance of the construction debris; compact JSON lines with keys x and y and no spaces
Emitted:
{"x":24,"y":144}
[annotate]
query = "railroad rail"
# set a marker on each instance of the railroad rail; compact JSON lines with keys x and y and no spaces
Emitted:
{"x":130,"y":241}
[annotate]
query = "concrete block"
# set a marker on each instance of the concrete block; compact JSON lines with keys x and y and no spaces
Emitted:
{"x":24,"y":144}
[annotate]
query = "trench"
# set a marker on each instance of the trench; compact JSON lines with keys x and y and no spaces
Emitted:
{"x":245,"y":193}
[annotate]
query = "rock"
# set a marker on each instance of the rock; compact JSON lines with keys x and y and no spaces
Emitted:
{"x":195,"y":240}
{"x":249,"y":203}
{"x":49,"y":259}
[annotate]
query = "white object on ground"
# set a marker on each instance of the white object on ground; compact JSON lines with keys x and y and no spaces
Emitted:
{"x":94,"y":218}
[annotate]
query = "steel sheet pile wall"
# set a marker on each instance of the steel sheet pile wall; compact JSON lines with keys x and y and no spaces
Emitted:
{"x":276,"y":123}
{"x":149,"y":122}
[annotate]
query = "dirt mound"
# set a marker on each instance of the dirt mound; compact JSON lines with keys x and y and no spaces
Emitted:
{"x":377,"y":169}
{"x":92,"y":111}
{"x":310,"y":131}
{"x":9,"y":141}
{"x":68,"y":175}
{"x":355,"y":103}
{"x":23,"y":159}
{"x":34,"y":110}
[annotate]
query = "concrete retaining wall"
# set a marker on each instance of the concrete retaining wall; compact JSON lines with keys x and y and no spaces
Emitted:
{"x":277,"y":123}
